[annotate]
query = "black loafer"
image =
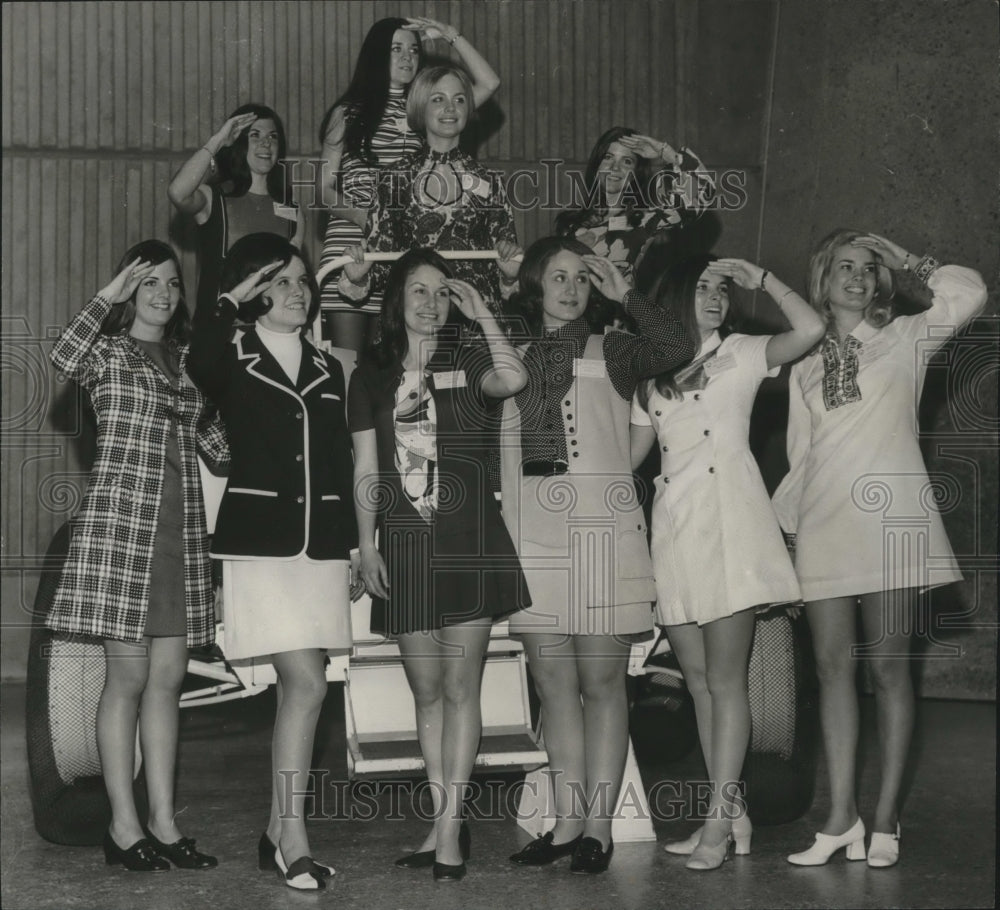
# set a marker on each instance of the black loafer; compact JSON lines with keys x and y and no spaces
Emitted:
{"x":446,"y":873}
{"x":590,"y":858}
{"x":182,"y":853}
{"x":541,"y":851}
{"x":140,"y":857}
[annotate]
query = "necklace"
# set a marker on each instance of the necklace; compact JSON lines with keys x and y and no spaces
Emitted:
{"x":431,"y":176}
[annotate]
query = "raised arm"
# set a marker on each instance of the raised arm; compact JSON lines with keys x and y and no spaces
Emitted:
{"x":188,"y":190}
{"x":507,"y":375}
{"x":690,"y":187}
{"x":484,"y":80}
{"x":807,"y":325}
{"x":73,"y":353}
{"x":661,"y":343}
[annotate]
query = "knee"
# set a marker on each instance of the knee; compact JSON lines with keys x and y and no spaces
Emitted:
{"x":126,"y":677}
{"x":696,"y":681}
{"x":890,"y":676}
{"x":603,"y":687}
{"x":835,"y":665}
{"x":308,"y":691}
{"x":460,"y":691}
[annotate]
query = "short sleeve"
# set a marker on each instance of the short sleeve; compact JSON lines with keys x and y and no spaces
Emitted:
{"x":639,"y":415}
{"x":360,"y":406}
{"x":750,"y":352}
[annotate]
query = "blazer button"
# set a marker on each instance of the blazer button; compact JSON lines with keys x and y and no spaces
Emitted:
{"x":298,"y":415}
{"x":298,"y":457}
{"x":300,"y":499}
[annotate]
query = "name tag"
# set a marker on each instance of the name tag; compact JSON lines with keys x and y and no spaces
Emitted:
{"x":288,"y":212}
{"x":720,"y":364}
{"x":618,"y":223}
{"x":452,"y":379}
{"x":593,"y":369}
{"x":473,"y":183}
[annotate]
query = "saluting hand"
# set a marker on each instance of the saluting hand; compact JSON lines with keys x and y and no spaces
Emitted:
{"x":606,"y":278}
{"x":123,"y":285}
{"x":255,"y":283}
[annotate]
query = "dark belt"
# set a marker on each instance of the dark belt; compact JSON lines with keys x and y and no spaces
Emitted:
{"x":546,"y":468}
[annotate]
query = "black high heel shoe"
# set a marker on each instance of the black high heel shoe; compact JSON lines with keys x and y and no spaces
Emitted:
{"x":182,"y":853}
{"x":423,"y":859}
{"x":140,"y":857}
{"x":265,"y":854}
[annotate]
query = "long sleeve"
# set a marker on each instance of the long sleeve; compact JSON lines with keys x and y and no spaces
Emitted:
{"x":959,"y":294}
{"x":660,"y":345}
{"x":78,"y":352}
{"x":799,"y":438}
{"x":213,"y":444}
{"x":210,"y":339}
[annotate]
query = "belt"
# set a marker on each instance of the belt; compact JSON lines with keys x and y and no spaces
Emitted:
{"x":546,"y":468}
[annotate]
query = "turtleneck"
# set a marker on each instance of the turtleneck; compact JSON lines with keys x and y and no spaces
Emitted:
{"x":285,"y":347}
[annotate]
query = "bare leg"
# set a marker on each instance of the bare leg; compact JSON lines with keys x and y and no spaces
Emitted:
{"x":601,"y":664}
{"x":553,"y":664}
{"x":887,"y":619}
{"x":303,"y":689}
{"x":423,"y":660}
{"x":117,"y":717}
{"x":462,"y":725}
{"x":158,"y":721}
{"x":688,"y":643}
{"x":727,"y":652}
{"x":833,"y":624}
{"x":274,"y":818}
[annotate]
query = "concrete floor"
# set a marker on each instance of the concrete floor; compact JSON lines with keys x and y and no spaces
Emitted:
{"x":948,"y":858}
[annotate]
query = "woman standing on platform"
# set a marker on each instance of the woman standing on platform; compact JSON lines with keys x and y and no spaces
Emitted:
{"x":440,"y":197}
{"x":445,"y":567}
{"x":570,"y":503}
{"x":366,"y":131}
{"x":137,"y":575}
{"x":644,"y":193}
{"x":716,"y":545}
{"x":235,"y":185}
{"x":285,"y":525}
{"x":853,"y":450}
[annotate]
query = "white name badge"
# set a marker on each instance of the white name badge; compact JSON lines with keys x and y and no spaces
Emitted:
{"x":719,"y":364}
{"x":473,"y":183}
{"x":618,"y":223}
{"x":451,"y":379}
{"x":288,"y":212}
{"x":593,"y":369}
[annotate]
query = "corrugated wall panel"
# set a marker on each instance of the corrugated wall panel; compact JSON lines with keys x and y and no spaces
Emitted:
{"x":102,"y":101}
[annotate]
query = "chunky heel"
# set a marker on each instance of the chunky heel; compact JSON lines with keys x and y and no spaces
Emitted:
{"x":856,"y":849}
{"x":742,"y":845}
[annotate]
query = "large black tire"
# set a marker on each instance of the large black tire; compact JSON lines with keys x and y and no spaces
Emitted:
{"x":780,"y":767}
{"x":65,"y":677}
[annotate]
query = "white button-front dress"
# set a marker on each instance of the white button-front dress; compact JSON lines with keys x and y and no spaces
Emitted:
{"x":716,"y":545}
{"x":857,"y":493}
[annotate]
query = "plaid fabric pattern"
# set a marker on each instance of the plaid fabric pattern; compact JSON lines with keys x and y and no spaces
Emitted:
{"x":104,"y":588}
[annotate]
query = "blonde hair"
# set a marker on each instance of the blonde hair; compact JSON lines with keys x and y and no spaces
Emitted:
{"x":879,"y":312}
{"x":422,"y":87}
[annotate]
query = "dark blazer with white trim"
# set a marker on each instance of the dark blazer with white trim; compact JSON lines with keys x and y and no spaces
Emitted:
{"x":290,"y":489}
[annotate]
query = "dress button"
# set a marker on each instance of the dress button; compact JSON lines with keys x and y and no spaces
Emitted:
{"x":569,"y":416}
{"x":572,"y":442}
{"x":697,"y":397}
{"x":707,"y":433}
{"x":572,"y":429}
{"x":298,"y":457}
{"x":300,"y":499}
{"x":568,"y":402}
{"x":659,"y":413}
{"x":711,"y":470}
{"x":666,"y":480}
{"x":576,"y":454}
{"x":664,"y":448}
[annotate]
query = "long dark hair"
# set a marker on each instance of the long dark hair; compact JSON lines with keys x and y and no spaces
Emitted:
{"x":675,"y":293}
{"x":525,"y":314}
{"x":234,"y":172}
{"x":177,"y":330}
{"x":366,"y":97}
{"x":393,"y":344}
{"x":253,"y":252}
{"x":638,"y":186}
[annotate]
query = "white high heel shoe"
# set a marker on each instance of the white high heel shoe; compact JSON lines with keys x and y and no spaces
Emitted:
{"x":742,"y":832}
{"x":883,"y":851}
{"x":826,"y":845}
